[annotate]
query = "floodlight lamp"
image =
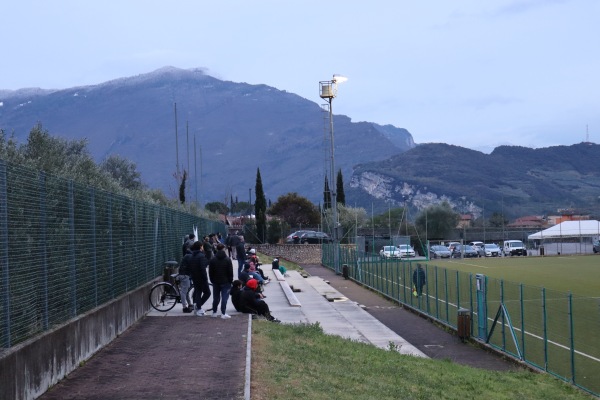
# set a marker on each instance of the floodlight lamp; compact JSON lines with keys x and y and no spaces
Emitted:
{"x":339,"y":78}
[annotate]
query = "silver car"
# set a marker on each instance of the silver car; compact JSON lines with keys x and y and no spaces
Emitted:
{"x":439,"y":251}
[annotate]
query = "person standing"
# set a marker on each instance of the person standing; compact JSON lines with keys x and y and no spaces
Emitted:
{"x":220,"y":272}
{"x":419,"y":279}
{"x":196,"y":264}
{"x":240,"y":251}
{"x":208,"y":248}
{"x":187,"y":243}
{"x":183,"y":278}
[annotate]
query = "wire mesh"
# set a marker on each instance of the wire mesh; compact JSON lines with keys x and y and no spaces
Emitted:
{"x":67,"y":248}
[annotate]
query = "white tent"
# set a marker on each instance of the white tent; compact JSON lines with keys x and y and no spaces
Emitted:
{"x":588,"y":228}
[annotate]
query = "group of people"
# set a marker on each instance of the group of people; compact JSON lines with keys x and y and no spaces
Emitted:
{"x":206,"y":261}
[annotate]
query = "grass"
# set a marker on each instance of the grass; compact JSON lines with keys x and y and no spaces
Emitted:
{"x":578,"y":274}
{"x":300,"y":361}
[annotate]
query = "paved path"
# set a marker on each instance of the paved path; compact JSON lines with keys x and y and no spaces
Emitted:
{"x":181,"y":356}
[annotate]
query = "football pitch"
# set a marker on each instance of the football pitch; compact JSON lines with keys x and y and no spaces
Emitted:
{"x":578,"y":274}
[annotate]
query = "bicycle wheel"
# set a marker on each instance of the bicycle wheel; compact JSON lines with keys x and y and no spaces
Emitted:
{"x":163,"y":296}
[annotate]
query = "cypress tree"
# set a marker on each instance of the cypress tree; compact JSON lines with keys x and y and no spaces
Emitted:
{"x":341,"y":196}
{"x":260,"y":208}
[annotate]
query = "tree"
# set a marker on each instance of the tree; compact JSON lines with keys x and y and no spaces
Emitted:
{"x":351,"y":218}
{"x":391,"y":219}
{"x":217,"y":207}
{"x":295,"y":210}
{"x":123,"y":171}
{"x":182,"y":187}
{"x":260,"y":209}
{"x":438,"y":220}
{"x":341,"y":196}
{"x":277,"y":229}
{"x":326,"y":196}
{"x":498,"y":220}
{"x":242,"y":207}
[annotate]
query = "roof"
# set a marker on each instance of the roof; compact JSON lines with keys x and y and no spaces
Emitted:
{"x":569,"y":229}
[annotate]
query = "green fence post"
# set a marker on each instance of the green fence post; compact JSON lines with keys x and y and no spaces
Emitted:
{"x":94,"y":245}
{"x":572,"y":337}
{"x":545,"y":323}
{"x":522,"y":321}
{"x":446,"y":294}
{"x":44,"y":250}
{"x":73,"y":265}
{"x":481,"y":282}
{"x":5,"y":338}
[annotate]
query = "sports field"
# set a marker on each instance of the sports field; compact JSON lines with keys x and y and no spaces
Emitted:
{"x":578,"y":274}
{"x":543,"y":310}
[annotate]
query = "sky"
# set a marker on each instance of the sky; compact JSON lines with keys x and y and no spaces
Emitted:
{"x":472,"y":73}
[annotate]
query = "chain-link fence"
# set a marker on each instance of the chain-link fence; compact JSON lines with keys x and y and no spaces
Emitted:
{"x":66,"y":248}
{"x":553,"y":331}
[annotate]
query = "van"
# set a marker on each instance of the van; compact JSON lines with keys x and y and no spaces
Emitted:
{"x":514,"y":248}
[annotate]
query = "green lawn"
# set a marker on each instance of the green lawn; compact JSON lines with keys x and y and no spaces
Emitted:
{"x":578,"y":274}
{"x":300,"y":362}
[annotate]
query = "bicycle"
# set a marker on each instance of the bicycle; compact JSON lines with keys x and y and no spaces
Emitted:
{"x":164,"y":295}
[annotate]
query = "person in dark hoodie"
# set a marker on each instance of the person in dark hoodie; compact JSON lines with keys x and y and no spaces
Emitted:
{"x":220,"y":272}
{"x":196,"y":264}
{"x":251,"y":302}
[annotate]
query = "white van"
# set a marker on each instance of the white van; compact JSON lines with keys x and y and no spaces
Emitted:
{"x":514,"y":248}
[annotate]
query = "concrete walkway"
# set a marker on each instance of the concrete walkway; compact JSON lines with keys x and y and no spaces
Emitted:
{"x":183,"y":356}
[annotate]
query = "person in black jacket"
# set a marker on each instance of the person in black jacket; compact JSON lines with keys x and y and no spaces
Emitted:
{"x":419,"y":279}
{"x":235,"y":294}
{"x":220,"y":272}
{"x":251,"y":303}
{"x":196,"y":264}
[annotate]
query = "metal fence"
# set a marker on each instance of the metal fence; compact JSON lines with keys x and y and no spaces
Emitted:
{"x":66,"y":248}
{"x":550,"y":330}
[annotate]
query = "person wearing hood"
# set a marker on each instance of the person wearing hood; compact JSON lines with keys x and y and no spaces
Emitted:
{"x":196,"y":264}
{"x":250,"y":301}
{"x":220,"y":272}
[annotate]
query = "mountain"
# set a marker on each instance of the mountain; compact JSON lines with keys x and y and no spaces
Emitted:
{"x":512,"y":180}
{"x":226,"y":131}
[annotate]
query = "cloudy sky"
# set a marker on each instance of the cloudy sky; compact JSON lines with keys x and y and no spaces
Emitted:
{"x":473,"y":73}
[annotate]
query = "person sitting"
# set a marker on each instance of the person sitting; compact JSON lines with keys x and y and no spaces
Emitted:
{"x":236,"y":292}
{"x":251,"y":303}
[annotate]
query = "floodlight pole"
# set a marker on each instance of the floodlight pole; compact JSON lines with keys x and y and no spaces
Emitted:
{"x":328,"y":90}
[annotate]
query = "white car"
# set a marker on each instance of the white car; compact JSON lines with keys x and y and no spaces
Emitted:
{"x":406,"y":250}
{"x":491,"y":250}
{"x":389,"y":252}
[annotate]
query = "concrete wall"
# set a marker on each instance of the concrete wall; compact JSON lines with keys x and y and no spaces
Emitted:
{"x":298,"y":253}
{"x":28,"y":369}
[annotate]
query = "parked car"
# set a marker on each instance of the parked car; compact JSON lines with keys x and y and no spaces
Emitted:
{"x":452,"y":245}
{"x":406,"y":251}
{"x":514,"y":248}
{"x":596,"y":246}
{"x":439,"y":251}
{"x":313,"y":237}
{"x":389,"y":252}
{"x":491,"y":250}
{"x":468,"y":252}
{"x":294,"y":237}
{"x":479,"y":247}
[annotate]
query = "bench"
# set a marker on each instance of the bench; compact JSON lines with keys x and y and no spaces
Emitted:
{"x":287,"y":290}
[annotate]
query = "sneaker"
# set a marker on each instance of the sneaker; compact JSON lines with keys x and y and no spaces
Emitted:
{"x":200,"y":313}
{"x":225,"y":316}
{"x":214,"y":314}
{"x":187,"y":309}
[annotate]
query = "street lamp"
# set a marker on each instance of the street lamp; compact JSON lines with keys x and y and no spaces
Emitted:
{"x":328,"y":90}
